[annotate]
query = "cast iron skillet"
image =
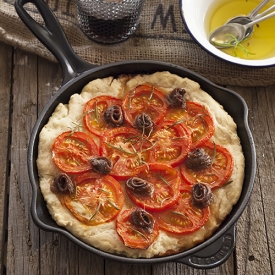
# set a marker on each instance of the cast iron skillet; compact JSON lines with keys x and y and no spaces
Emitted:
{"x":76,"y":74}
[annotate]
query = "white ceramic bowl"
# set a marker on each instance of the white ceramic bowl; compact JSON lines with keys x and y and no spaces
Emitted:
{"x":194,"y":14}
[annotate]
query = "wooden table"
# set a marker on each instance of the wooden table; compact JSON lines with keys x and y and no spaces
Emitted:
{"x":27,"y":82}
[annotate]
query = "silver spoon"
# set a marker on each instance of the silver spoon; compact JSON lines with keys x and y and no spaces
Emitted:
{"x":222,"y":36}
{"x":264,"y":12}
{"x":245,"y":19}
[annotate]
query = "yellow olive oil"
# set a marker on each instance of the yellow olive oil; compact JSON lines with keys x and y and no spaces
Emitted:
{"x":261,"y":44}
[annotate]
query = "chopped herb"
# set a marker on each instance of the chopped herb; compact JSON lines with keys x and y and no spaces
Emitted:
{"x":176,"y":123}
{"x":140,"y":233}
{"x":215,"y":153}
{"x":130,"y":99}
{"x":112,"y":204}
{"x":234,"y":42}
{"x":105,"y":191}
{"x":96,"y":112}
{"x":120,"y":149}
{"x":179,"y":214}
{"x":96,"y":211}
{"x":151,"y":94}
{"x":164,"y":180}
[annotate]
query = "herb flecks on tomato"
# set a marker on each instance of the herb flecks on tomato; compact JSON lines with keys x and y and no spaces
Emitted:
{"x":71,"y":152}
{"x":184,"y":217}
{"x":98,"y":199}
{"x":95,"y":114}
{"x":198,"y":120}
{"x":166,"y":183}
{"x":219,"y":171}
{"x":171,"y":142}
{"x":145,"y":99}
{"x":133,"y":235}
{"x":127,"y":150}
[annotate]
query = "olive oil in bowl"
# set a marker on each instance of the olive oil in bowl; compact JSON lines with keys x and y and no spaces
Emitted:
{"x":261,"y":44}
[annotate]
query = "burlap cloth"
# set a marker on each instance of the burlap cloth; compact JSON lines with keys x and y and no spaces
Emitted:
{"x":161,"y":36}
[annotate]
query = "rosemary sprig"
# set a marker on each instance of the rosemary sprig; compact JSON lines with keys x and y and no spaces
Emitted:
{"x":164,"y":180}
{"x":176,"y":123}
{"x":75,"y":190}
{"x":215,"y":153}
{"x":201,"y":117}
{"x":151,"y":94}
{"x":130,"y":99}
{"x":163,"y":200}
{"x":179,"y":214}
{"x":96,"y":211}
{"x":112,"y":204}
{"x":105,"y":191}
{"x":140,"y":233}
{"x":96,"y":112}
{"x":120,"y":149}
{"x":236,"y":44}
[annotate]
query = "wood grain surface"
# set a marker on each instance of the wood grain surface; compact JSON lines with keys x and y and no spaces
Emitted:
{"x":27,"y":83}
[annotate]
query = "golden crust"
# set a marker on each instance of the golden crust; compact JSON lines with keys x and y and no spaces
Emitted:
{"x":104,"y":236}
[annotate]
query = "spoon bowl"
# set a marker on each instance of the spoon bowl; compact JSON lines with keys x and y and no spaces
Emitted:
{"x":230,"y":34}
{"x":243,"y":20}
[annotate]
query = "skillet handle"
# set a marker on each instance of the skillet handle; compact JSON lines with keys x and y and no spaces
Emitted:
{"x":53,"y":37}
{"x":214,"y":254}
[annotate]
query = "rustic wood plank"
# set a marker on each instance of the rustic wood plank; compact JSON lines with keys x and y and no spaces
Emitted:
{"x":255,"y":231}
{"x":267,"y":179}
{"x":22,"y":250}
{"x":117,"y":268}
{"x":5,"y":99}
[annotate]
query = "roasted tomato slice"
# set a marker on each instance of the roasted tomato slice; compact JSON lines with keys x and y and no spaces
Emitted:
{"x":94,"y":114}
{"x":72,"y":151}
{"x":97,"y":199}
{"x":132,"y":235}
{"x":219,"y":171}
{"x":145,"y":99}
{"x":164,"y":183}
{"x":127,"y":150}
{"x":170,"y":143}
{"x":183,"y":217}
{"x":198,"y":120}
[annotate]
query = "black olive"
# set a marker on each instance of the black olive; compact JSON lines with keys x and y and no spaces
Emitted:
{"x":144,"y":123}
{"x":139,"y":186}
{"x":101,"y":165}
{"x":142,"y":220}
{"x":176,"y":98}
{"x":201,"y":195}
{"x":114,"y":115}
{"x":63,"y":184}
{"x":198,"y":159}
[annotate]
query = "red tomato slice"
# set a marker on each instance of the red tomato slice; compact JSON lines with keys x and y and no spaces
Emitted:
{"x":97,"y":199}
{"x":183,"y":217}
{"x":145,"y":99}
{"x":72,"y":151}
{"x":94,"y":111}
{"x":127,"y":150}
{"x":171,"y":143}
{"x":219,"y":172}
{"x":131,"y":235}
{"x":196,"y":118}
{"x":166,"y":182}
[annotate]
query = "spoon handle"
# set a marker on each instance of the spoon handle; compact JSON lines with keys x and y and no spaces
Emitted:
{"x":255,"y":21}
{"x":254,"y":12}
{"x":264,"y":12}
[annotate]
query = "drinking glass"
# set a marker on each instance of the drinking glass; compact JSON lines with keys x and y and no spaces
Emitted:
{"x":109,"y":21}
